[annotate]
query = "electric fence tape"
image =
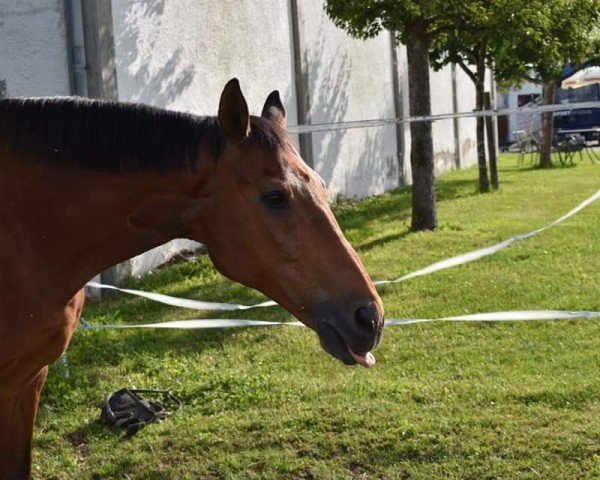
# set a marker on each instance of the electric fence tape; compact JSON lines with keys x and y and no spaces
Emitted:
{"x":447,"y":263}
{"x":441,"y":265}
{"x":330,"y":127}
{"x":199,"y":324}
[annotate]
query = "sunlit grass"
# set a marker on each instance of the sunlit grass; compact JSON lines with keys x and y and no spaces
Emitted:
{"x":515,"y":400}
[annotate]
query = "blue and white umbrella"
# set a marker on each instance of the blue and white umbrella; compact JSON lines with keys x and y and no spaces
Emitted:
{"x":582,"y":78}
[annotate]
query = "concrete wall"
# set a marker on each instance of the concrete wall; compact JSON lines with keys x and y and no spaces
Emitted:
{"x":352,"y":79}
{"x":444,"y":141}
{"x":179,"y":54}
{"x":349,"y":80}
{"x":467,"y":134}
{"x":33,"y":48}
{"x":402,"y":67}
{"x":443,"y":131}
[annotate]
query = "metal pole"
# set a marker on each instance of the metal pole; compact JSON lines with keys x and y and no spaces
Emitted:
{"x":301,"y":80}
{"x":398,"y":108}
{"x":491,"y":142}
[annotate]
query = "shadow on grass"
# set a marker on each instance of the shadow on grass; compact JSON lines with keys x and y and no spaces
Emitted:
{"x":81,"y":436}
{"x":128,"y":353}
{"x":143,"y":350}
{"x":378,"y":242}
{"x":395,"y":207}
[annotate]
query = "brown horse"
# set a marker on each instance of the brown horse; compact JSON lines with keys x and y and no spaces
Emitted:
{"x":87,"y":184}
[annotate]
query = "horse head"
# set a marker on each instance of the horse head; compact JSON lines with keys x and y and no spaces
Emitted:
{"x":268,"y":225}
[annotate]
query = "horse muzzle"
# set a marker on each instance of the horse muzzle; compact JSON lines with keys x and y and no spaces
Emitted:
{"x":352,"y":342}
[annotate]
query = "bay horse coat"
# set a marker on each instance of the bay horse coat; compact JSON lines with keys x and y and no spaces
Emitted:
{"x":88,"y":184}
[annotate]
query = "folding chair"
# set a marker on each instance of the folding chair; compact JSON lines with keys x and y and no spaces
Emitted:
{"x":526,"y":144}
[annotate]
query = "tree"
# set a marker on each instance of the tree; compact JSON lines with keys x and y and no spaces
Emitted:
{"x":546,"y":37}
{"x":414,"y":23}
{"x":513,"y":37}
{"x":471,"y":40}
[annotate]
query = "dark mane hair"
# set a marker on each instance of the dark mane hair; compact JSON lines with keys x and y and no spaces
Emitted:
{"x":113,"y":136}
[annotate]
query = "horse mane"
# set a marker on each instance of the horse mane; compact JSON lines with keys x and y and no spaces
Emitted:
{"x":113,"y":136}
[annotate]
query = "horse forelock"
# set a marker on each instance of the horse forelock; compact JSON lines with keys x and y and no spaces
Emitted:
{"x":267,"y":134}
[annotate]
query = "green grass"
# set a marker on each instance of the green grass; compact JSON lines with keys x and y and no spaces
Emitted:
{"x":511,"y":400}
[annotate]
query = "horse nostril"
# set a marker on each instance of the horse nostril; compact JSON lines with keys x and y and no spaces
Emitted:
{"x":366,"y":318}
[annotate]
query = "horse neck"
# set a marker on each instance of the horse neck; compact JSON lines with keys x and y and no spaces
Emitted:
{"x":64,"y":226}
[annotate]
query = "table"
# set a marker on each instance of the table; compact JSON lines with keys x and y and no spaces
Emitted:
{"x":593,"y":132}
{"x":567,"y":143}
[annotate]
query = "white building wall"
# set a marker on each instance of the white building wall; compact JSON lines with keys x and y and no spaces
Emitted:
{"x":180,"y":54}
{"x":530,"y":122}
{"x":402,"y":66}
{"x":443,"y":131}
{"x":350,"y":80}
{"x":466,"y":126}
{"x":33,"y":48}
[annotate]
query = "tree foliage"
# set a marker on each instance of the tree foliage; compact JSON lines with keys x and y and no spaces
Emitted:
{"x":554,"y":34}
{"x":544,"y":36}
{"x":367,"y":18}
{"x":518,"y":37}
{"x":471,"y":40}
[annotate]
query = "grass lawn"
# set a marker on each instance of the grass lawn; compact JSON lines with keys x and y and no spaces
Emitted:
{"x":511,"y":400}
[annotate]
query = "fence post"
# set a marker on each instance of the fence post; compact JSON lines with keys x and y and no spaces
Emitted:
{"x":456,"y":121}
{"x":398,"y":108}
{"x":99,"y":46}
{"x":491,"y":142}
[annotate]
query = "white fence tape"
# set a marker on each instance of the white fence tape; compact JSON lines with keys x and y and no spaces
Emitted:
{"x":212,"y":323}
{"x":182,"y":302}
{"x":534,"y":315}
{"x":329,"y":127}
{"x":514,"y":316}
{"x":441,"y":265}
{"x":191,"y":324}
{"x":484,"y":252}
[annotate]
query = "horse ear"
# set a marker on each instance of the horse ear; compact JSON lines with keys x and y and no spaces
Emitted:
{"x":273,"y":109}
{"x":234,"y":118}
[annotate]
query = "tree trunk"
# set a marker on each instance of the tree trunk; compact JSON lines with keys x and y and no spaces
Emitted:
{"x":421,"y":151}
{"x":484,"y":183}
{"x":546,"y":146}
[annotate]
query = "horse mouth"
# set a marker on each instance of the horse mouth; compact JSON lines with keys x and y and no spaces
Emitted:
{"x":335,"y":345}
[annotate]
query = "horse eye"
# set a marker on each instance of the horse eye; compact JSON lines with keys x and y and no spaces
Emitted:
{"x":275,"y":199}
